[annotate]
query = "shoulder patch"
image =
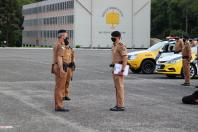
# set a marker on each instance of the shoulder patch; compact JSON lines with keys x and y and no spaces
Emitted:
{"x":122,"y":45}
{"x":62,"y":46}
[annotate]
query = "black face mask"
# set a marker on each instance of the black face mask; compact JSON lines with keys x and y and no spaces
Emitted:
{"x":113,"y":39}
{"x":66,"y":41}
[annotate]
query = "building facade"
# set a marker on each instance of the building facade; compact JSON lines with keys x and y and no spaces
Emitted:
{"x":89,"y":23}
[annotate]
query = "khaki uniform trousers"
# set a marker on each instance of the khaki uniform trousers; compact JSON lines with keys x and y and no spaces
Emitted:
{"x":186,"y":68}
{"x":69,"y":75}
{"x":59,"y":88}
{"x":119,"y":88}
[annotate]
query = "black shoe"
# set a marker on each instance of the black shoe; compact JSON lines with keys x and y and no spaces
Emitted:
{"x":62,"y":110}
{"x":116,"y":108}
{"x":196,"y":86}
{"x":66,"y":98}
{"x":191,"y":99}
{"x":186,"y":84}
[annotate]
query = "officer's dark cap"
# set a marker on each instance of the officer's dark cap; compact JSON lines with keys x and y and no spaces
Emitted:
{"x":62,"y":31}
{"x":116,"y":34}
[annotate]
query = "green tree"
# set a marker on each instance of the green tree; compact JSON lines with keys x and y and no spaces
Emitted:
{"x":11,"y":20}
{"x":174,"y":16}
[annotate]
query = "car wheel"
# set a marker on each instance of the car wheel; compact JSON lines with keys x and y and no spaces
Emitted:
{"x":171,"y":76}
{"x":193,"y":71}
{"x":135,"y":71}
{"x":148,"y":67}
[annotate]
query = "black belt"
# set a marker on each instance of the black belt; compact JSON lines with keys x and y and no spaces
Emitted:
{"x":68,"y":65}
{"x":185,"y":57}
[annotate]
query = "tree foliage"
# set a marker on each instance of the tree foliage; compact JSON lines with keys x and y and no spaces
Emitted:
{"x":11,"y":21}
{"x":174,"y":17}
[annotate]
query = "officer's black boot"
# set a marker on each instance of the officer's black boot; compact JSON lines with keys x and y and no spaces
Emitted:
{"x":186,"y":84}
{"x":66,"y":98}
{"x":62,"y":110}
{"x":116,"y":108}
{"x":191,"y":99}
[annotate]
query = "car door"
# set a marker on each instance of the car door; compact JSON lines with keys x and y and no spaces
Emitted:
{"x":168,"y":49}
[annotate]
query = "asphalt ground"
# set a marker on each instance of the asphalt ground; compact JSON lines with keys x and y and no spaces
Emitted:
{"x":153,"y":102}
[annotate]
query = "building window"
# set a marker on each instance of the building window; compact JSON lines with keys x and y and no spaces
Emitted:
{"x":50,"y":21}
{"x":49,"y":8}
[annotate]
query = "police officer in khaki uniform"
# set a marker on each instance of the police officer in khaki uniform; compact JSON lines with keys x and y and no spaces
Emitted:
{"x":119,"y":56}
{"x":69,"y":66}
{"x":179,"y":45}
{"x":193,"y":42}
{"x":186,"y":56}
{"x":58,"y":70}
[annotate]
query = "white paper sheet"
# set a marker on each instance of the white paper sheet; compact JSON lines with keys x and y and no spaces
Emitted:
{"x":118,"y":68}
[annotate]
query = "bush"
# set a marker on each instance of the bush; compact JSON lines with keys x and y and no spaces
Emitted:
{"x":178,"y":33}
{"x":77,"y":46}
{"x":18,"y":43}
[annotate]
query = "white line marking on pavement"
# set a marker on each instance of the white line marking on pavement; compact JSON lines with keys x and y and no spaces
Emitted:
{"x":6,"y":127}
{"x":63,"y":121}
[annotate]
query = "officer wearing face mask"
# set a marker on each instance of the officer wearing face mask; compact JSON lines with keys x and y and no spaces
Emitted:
{"x":119,"y":56}
{"x":69,"y":67}
{"x":59,"y":71}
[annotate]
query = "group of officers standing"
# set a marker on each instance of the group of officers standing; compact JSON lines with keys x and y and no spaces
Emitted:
{"x":184,"y":45}
{"x":64,"y":66}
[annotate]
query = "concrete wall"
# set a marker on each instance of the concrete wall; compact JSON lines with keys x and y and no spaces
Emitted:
{"x":102,"y":29}
{"x":134,"y":22}
{"x":82,"y":27}
{"x":141,"y":23}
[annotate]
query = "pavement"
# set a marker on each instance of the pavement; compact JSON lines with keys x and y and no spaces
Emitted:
{"x":153,"y":102}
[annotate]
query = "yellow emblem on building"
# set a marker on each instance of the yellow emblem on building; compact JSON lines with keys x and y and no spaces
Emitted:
{"x":113,"y":18}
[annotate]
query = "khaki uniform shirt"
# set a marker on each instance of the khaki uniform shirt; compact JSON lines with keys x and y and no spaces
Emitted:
{"x":118,"y":52}
{"x":186,"y":51}
{"x":179,"y":46}
{"x":68,"y":55}
{"x":58,"y":50}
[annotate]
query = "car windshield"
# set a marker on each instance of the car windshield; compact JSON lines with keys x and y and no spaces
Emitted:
{"x":157,"y":46}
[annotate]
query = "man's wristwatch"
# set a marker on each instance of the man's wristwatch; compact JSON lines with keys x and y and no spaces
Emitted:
{"x":122,"y":70}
